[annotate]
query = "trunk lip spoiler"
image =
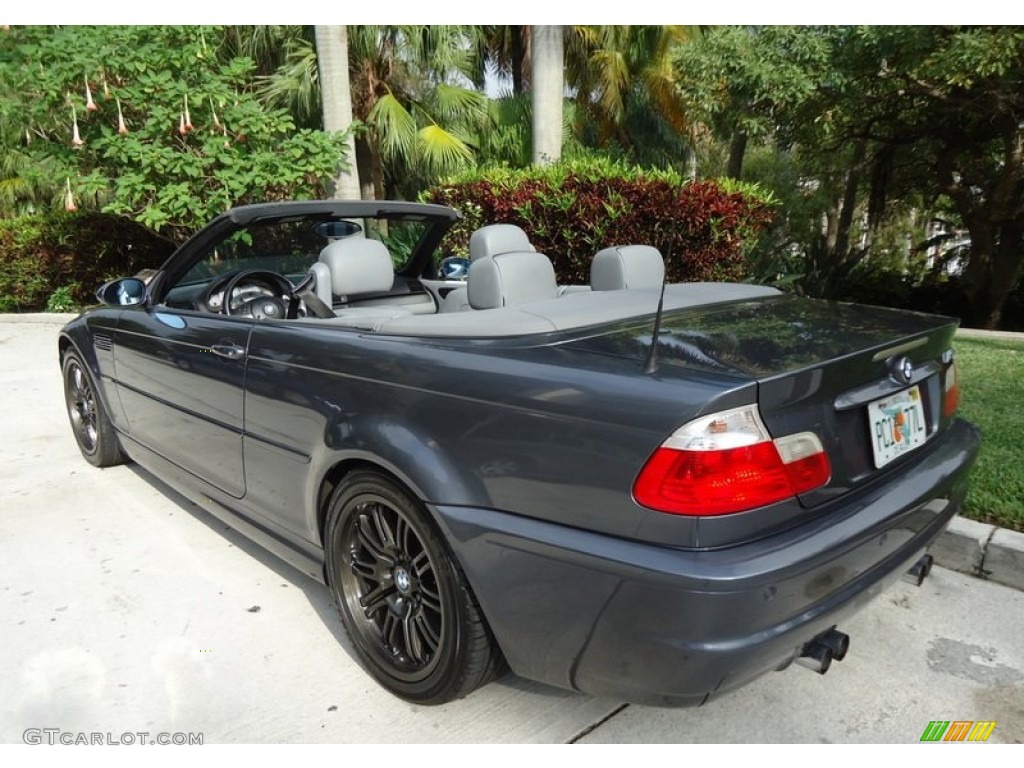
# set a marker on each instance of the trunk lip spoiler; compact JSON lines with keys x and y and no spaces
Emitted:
{"x":885,"y":354}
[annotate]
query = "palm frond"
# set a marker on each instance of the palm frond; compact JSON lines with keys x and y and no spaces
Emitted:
{"x":394,"y":125}
{"x":454,"y":103}
{"x":441,"y":151}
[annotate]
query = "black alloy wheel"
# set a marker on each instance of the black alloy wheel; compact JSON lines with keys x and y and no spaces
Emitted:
{"x":89,"y":422}
{"x":402,"y":598}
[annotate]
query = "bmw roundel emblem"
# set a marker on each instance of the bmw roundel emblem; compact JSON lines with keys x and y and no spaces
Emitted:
{"x":901,"y":369}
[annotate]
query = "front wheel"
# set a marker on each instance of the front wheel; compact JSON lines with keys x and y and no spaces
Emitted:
{"x":90,"y":424}
{"x":402,"y":598}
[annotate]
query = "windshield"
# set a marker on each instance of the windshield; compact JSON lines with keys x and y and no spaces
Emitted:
{"x":291,"y":247}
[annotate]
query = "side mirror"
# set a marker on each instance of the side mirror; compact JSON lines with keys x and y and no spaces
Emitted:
{"x":453,"y":268}
{"x":126,"y":292}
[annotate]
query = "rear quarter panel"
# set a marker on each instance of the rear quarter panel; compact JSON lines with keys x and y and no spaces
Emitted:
{"x":528,"y":428}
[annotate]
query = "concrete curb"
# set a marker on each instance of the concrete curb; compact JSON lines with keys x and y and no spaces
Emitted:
{"x":978,"y":333}
{"x":54,"y":318}
{"x":977,"y":549}
{"x":983,"y":550}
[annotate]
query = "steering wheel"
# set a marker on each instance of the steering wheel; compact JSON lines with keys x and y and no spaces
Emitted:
{"x":265,"y":305}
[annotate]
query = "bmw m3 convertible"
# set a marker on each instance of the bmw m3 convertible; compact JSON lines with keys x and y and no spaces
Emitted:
{"x":626,"y":488}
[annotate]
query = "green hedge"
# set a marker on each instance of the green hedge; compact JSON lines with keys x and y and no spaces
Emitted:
{"x":57,"y":261}
{"x":570,"y":211}
{"x":945,"y":296}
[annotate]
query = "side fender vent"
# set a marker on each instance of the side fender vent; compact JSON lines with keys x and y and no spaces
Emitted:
{"x":103,"y":341}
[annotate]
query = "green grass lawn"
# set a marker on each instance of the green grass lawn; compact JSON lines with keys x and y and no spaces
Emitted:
{"x":992,"y":396}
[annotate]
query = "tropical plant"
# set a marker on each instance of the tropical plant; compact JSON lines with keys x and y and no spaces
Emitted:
{"x":573,"y":209}
{"x":624,"y":82}
{"x":156,"y":123}
{"x":411,"y":87}
{"x":336,"y":94}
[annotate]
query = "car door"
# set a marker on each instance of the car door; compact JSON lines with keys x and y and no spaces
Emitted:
{"x":180,"y":375}
{"x":180,"y":360}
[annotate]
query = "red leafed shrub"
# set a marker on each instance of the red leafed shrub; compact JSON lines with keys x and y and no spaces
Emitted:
{"x":572,"y":211}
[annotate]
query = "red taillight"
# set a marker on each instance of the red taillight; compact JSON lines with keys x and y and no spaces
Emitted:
{"x":951,"y":398}
{"x":727,"y":463}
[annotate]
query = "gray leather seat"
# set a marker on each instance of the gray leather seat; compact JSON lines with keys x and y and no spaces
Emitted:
{"x":353,"y":267}
{"x":627,"y":266}
{"x":497,"y":238}
{"x":509,"y":279}
{"x":487,"y":243}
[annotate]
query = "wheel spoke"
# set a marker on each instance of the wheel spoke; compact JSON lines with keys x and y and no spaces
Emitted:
{"x":403,"y":533}
{"x":430,"y":599}
{"x":389,"y":630}
{"x":427,"y":632}
{"x":421,"y":563}
{"x":412,"y":640}
{"x":384,"y":533}
{"x":376,"y":598}
{"x":370,"y":542}
{"x":361,"y":567}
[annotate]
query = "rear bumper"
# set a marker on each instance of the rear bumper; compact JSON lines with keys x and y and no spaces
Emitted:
{"x":672,"y":627}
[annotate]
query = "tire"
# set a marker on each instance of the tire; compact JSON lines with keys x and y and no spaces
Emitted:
{"x":90,"y":424}
{"x":403,"y":599}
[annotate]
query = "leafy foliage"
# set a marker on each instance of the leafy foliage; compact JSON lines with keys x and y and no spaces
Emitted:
{"x":884,"y":124}
{"x":408,"y":86}
{"x":161,"y":124}
{"x":574,"y":209}
{"x":56,"y":261}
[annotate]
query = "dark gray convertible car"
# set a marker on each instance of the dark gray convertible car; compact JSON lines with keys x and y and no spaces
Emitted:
{"x":647,"y":491}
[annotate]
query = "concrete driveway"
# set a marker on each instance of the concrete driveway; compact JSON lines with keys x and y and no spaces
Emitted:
{"x":124,"y":608}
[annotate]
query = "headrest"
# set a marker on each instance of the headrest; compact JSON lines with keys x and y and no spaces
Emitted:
{"x":358,"y":265}
{"x":497,"y":238}
{"x":510,"y":278}
{"x":627,"y":266}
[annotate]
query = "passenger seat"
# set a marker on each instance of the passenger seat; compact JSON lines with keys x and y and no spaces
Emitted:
{"x":356,"y":266}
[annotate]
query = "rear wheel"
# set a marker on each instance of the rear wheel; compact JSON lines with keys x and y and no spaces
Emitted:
{"x":90,"y":425}
{"x":403,"y":599}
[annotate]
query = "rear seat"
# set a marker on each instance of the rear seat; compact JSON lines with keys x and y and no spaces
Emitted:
{"x":627,"y":266}
{"x":487,"y":242}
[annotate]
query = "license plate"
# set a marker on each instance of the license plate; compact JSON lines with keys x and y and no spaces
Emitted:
{"x":897,"y":425}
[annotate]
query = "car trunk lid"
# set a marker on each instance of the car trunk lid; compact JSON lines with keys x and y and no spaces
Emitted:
{"x":868,"y":381}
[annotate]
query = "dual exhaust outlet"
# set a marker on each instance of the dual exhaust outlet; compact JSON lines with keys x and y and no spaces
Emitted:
{"x":833,"y":645}
{"x":818,"y":655}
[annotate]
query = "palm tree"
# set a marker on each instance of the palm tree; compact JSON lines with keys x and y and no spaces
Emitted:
{"x":548,"y":90}
{"x":623,"y":78}
{"x":506,"y":49}
{"x":332,"y":66}
{"x":411,"y":90}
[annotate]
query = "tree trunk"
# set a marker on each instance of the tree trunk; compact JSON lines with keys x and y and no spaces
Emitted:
{"x":842,"y":249}
{"x":364,"y":163}
{"x":332,"y":63}
{"x":547,"y":89}
{"x":993,"y":271}
{"x":737,"y":149}
{"x":520,"y":77}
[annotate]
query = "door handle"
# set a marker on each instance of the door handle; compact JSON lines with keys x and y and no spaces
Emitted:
{"x":230,"y":351}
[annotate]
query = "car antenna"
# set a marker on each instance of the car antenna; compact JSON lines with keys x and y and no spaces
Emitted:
{"x":651,"y":364}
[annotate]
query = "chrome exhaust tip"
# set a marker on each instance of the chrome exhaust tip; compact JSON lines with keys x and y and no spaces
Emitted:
{"x":816,"y":657}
